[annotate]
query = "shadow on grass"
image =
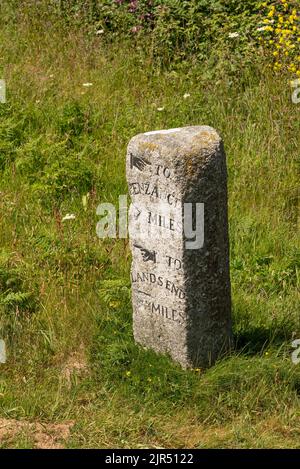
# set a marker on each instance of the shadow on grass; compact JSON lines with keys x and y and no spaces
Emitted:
{"x":255,"y":339}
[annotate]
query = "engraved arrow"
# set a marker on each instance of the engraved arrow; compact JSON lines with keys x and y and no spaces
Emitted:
{"x":137,"y":213}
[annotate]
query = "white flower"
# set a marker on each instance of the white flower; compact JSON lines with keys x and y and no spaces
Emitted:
{"x":69,"y":216}
{"x":232,"y":35}
{"x":160,"y":109}
{"x":262,"y":28}
{"x":186,"y":95}
{"x":100,"y":31}
{"x":87,"y":85}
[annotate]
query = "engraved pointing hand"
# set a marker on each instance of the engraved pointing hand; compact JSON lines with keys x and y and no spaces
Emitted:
{"x":146,"y":254}
{"x":138,"y":162}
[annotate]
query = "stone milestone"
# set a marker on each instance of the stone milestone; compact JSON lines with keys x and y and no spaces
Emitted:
{"x":178,"y":227}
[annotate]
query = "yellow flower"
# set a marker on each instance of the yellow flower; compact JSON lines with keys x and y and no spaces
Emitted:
{"x":284,"y":28}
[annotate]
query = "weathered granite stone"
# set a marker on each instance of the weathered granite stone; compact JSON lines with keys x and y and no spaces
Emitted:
{"x":181,"y":296}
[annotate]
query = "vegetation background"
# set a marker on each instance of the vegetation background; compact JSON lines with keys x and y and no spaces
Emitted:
{"x":82,"y":78}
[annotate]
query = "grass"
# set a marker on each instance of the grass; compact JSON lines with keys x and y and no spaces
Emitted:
{"x":64,"y":294}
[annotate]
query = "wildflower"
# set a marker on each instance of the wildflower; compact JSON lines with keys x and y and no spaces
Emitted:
{"x":133,"y":6}
{"x":232,"y":35}
{"x":87,"y":85}
{"x":136,"y":29}
{"x":69,"y":216}
{"x":292,"y":68}
{"x":186,"y":95}
{"x":100,"y":31}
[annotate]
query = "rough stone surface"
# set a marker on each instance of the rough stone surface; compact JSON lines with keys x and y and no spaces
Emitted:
{"x":181,"y":297}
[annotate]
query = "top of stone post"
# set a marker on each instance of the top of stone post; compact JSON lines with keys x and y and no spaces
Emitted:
{"x":196,"y":137}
